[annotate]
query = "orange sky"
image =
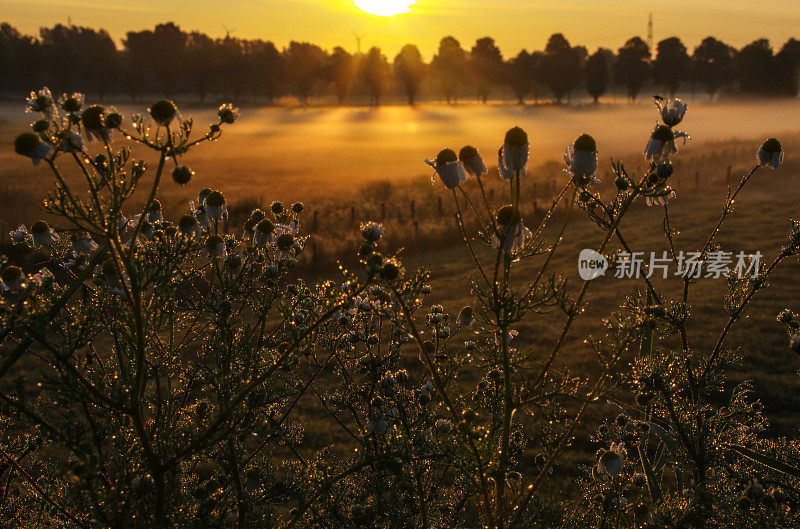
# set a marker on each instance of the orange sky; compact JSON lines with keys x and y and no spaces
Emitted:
{"x":515,"y":24}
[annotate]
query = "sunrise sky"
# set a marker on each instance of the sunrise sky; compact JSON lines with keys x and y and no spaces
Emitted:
{"x":515,"y":24}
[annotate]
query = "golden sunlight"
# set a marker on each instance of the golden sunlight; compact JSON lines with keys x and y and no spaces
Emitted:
{"x":385,"y":8}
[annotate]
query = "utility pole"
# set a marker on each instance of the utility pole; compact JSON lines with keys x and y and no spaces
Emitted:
{"x":650,"y":39}
{"x":358,"y":40}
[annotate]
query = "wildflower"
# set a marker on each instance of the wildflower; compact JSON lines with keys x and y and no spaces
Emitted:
{"x":93,"y":120}
{"x":257,"y":215}
{"x":372,"y":231}
{"x":392,"y":270}
{"x":21,"y":236}
{"x":30,"y":145}
{"x":113,"y":120}
{"x":43,"y":234}
{"x":466,"y":316}
{"x":215,"y":206}
{"x":515,"y":150}
{"x":661,"y":143}
{"x":263,"y":233}
{"x":234,"y":263}
{"x":449,"y":169}
{"x":298,"y":207}
{"x":276,"y":207}
{"x":72,"y":142}
{"x":12,"y":278}
{"x":163,"y":112}
{"x":785,"y":316}
{"x":770,"y":154}
{"x":671,"y":110}
{"x":153,"y":213}
{"x":472,"y":161}
{"x":40,"y":125}
{"x":215,"y":246}
{"x":82,"y":243}
{"x":182,"y":175}
{"x":201,"y":197}
{"x":511,"y":232}
{"x":189,"y":226}
{"x":72,"y":103}
{"x":612,"y":459}
{"x":40,"y":101}
{"x":227,"y":113}
{"x":581,"y":159}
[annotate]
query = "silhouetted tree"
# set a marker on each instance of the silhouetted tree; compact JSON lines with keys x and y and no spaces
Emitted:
{"x":409,"y":69}
{"x":521,"y":75}
{"x":712,"y":65}
{"x":270,"y":69}
{"x":340,"y":68}
{"x":632,"y":68}
{"x":78,"y":58}
{"x":561,"y":66}
{"x":20,"y":60}
{"x":306,"y":62}
{"x":755,"y":68}
{"x":672,"y":64}
{"x":787,"y":68}
{"x":375,"y":72}
{"x":450,"y":65}
{"x":486,"y":66}
{"x":232,"y":67}
{"x":161,"y":53}
{"x":202,"y":56}
{"x":597,"y":73}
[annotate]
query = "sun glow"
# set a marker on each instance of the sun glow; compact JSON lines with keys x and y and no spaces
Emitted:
{"x":385,"y":8}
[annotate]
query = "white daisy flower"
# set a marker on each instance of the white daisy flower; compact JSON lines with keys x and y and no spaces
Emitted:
{"x":770,"y":154}
{"x":93,"y":121}
{"x":215,"y":206}
{"x":516,"y":150}
{"x":377,"y":426}
{"x":671,"y":110}
{"x":43,"y":234}
{"x":21,"y":236}
{"x":83,"y":244}
{"x":512,"y":233}
{"x":40,"y":101}
{"x":449,"y":169}
{"x":581,"y":160}
{"x":612,"y":459}
{"x":472,"y":161}
{"x":31,"y":145}
{"x":215,"y":246}
{"x":154,"y":213}
{"x":163,"y":112}
{"x":189,"y":226}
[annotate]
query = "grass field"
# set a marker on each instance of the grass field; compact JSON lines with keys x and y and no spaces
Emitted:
{"x":372,"y":160}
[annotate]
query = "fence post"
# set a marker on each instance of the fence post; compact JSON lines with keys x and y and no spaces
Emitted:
{"x":696,"y":180}
{"x":352,"y":214}
{"x":413,"y":209}
{"x":728,"y":177}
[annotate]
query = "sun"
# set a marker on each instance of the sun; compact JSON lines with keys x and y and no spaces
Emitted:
{"x":385,"y":8}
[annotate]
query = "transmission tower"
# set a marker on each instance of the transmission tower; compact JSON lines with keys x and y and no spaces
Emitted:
{"x":359,"y":38}
{"x":650,"y":40}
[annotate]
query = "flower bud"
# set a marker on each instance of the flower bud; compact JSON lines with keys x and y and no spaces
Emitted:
{"x":515,"y":150}
{"x":472,"y":161}
{"x":163,"y":112}
{"x":770,"y":154}
{"x":182,"y":175}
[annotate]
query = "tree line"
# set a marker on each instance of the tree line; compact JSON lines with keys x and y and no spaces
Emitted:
{"x":170,"y":61}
